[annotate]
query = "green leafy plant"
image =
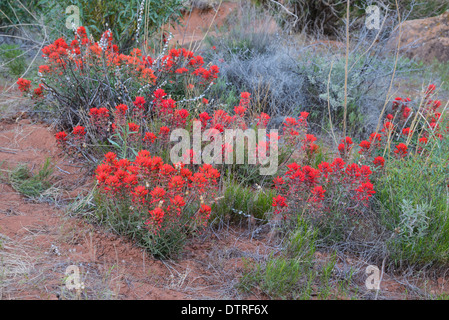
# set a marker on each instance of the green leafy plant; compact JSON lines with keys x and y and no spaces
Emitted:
{"x":126,"y":19}
{"x":32,"y":186}
{"x":414,"y":194}
{"x":239,"y":202}
{"x":13,"y":58}
{"x":293,"y":274}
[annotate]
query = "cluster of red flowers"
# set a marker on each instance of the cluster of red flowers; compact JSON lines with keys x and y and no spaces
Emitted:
{"x":369,"y":148}
{"x":401,"y":115}
{"x":401,"y":108}
{"x":24,"y":85}
{"x":241,"y":109}
{"x":83,"y":55}
{"x":345,"y":147}
{"x":77,"y":138}
{"x":294,"y":129}
{"x":158,"y":191}
{"x":99,"y":118}
{"x":320,"y":189}
{"x":309,"y":146}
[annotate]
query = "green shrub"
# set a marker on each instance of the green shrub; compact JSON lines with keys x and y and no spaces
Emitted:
{"x":414,"y":193}
{"x":123,"y":219}
{"x":292,"y":274}
{"x":13,"y":57}
{"x":239,"y":202}
{"x":15,"y":12}
{"x":120,"y":16}
{"x":29,"y":185}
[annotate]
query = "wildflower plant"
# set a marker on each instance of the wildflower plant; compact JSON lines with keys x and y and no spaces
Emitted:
{"x":345,"y":186}
{"x":85,"y":80}
{"x":157,"y":203}
{"x":322,"y":191}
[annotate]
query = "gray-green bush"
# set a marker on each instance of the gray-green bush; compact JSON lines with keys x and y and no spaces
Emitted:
{"x":287,"y":76}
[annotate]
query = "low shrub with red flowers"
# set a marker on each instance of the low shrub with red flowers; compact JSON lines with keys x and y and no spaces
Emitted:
{"x":321,"y":191}
{"x":160,"y":198}
{"x":346,"y":184}
{"x":138,"y":101}
{"x":84,"y":77}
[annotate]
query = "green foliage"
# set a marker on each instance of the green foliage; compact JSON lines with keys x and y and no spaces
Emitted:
{"x":123,"y":219}
{"x":439,"y":69}
{"x":225,"y":93}
{"x":16,"y":12}
{"x":443,"y":296}
{"x":424,"y":9}
{"x":119,"y":142}
{"x":29,"y":185}
{"x":240,"y":201}
{"x":121,"y":16}
{"x":368,"y":80}
{"x":13,"y":57}
{"x":292,"y":274}
{"x":414,"y":193}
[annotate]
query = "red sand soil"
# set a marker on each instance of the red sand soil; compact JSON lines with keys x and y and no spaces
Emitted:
{"x":196,"y":23}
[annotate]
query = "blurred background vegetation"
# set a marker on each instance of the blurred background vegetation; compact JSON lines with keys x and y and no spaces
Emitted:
{"x":121,"y":16}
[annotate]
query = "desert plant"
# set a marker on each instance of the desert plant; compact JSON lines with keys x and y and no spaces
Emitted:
{"x":32,"y":186}
{"x":414,"y":194}
{"x":239,"y":202}
{"x":127,"y":20}
{"x":293,"y":273}
{"x":17,"y":12}
{"x":153,"y":202}
{"x":13,"y":58}
{"x":85,"y":76}
{"x":287,"y":75}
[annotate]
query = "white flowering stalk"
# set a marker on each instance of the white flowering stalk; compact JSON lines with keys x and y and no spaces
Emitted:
{"x":164,"y":50}
{"x":103,"y":44}
{"x":139,"y":20}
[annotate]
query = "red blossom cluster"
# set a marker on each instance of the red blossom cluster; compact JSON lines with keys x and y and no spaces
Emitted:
{"x":319,"y":189}
{"x":82,"y":56}
{"x":24,"y":84}
{"x":158,"y":191}
{"x":425,"y":126}
{"x":345,"y":147}
{"x":99,"y":118}
{"x":77,"y":138}
{"x":294,"y":129}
